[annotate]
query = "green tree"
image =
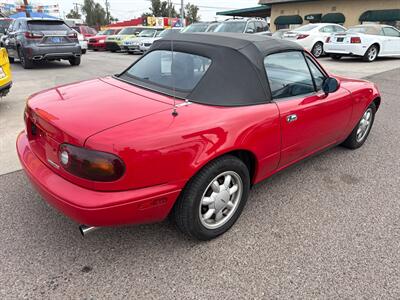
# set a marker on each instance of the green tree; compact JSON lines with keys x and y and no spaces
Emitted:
{"x":162,"y":9}
{"x":192,"y":13}
{"x":73,"y":14}
{"x":95,"y":14}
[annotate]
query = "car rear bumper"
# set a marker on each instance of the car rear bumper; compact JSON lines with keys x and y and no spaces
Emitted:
{"x":345,"y":49}
{"x":95,"y":208}
{"x":53,"y":52}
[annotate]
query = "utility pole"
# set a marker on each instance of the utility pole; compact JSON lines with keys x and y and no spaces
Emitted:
{"x":27,"y":12}
{"x":182,"y":14}
{"x":108,"y":12}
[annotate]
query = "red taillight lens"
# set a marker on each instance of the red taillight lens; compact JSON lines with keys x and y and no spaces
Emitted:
{"x":72,"y":35}
{"x":302,"y":36}
{"x":90,"y":164}
{"x":33,"y":36}
{"x":355,"y":40}
{"x":328,"y":39}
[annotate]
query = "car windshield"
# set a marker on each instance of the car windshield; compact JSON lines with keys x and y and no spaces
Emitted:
{"x":171,"y":70}
{"x":35,"y":25}
{"x":197,"y":27}
{"x":231,"y":27}
{"x":308,"y":27}
{"x":147,"y":33}
{"x":130,"y":31}
{"x":168,"y":32}
{"x":107,"y":32}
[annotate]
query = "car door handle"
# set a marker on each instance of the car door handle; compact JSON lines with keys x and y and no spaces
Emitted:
{"x":291,"y":118}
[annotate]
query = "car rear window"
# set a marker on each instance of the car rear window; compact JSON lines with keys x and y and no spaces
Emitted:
{"x":130,"y":31}
{"x":199,"y":27}
{"x":307,"y":27}
{"x":147,"y":33}
{"x":47,"y":26}
{"x":172,"y":70}
{"x":231,"y":27}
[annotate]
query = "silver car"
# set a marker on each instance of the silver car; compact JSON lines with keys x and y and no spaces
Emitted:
{"x":31,"y":40}
{"x":146,"y":43}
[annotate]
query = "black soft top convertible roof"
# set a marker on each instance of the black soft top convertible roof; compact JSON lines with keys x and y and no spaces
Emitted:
{"x":237,"y":75}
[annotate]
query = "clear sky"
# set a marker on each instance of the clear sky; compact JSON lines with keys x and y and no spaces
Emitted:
{"x":129,"y":9}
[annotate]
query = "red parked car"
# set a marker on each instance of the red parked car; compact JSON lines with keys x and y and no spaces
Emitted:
{"x":188,"y":129}
{"x":86,"y":31}
{"x":98,"y":42}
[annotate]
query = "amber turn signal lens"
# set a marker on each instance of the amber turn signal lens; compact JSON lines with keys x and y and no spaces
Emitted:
{"x":90,"y":164}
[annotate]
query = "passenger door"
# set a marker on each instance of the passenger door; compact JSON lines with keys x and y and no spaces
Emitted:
{"x":391,"y":41}
{"x":310,"y":119}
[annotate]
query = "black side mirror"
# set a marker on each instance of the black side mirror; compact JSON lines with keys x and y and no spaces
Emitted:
{"x":330,"y":85}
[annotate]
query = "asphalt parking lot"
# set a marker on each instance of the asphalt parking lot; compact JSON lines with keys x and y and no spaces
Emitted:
{"x":328,"y":227}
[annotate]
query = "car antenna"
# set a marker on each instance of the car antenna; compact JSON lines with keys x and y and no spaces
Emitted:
{"x":174,"y":112}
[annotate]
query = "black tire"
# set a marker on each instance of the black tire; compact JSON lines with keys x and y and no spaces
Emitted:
{"x":26,"y":63}
{"x":318,"y":49}
{"x":11,"y":59}
{"x":113,"y":51}
{"x":95,"y":50}
{"x":335,"y":56}
{"x":84,"y":51}
{"x":368,"y":56}
{"x":186,"y":211}
{"x":76,"y":61}
{"x":352,"y":142}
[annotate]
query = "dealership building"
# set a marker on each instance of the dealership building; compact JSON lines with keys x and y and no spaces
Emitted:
{"x":293,"y":13}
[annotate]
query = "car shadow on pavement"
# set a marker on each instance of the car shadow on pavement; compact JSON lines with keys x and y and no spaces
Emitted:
{"x":41,"y":65}
{"x":349,"y":59}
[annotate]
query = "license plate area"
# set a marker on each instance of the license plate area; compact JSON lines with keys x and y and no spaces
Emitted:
{"x":340,"y":40}
{"x":54,"y":40}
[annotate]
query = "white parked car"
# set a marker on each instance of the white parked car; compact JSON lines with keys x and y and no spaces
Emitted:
{"x":146,"y":43}
{"x":367,"y":41}
{"x":313,"y":36}
{"x":82,"y":42}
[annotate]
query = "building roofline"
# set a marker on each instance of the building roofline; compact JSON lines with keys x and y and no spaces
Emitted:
{"x":271,"y":2}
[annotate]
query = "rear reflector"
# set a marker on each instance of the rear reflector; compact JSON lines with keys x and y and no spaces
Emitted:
{"x":355,"y":40}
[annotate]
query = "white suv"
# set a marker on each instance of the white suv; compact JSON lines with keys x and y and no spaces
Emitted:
{"x":313,"y":36}
{"x":257,"y":26}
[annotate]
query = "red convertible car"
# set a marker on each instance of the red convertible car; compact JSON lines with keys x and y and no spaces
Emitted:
{"x":187,"y":130}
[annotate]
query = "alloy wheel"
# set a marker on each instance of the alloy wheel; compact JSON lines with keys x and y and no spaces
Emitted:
{"x":364,"y":125}
{"x":220,"y":200}
{"x":372,"y":53}
{"x":318,"y":50}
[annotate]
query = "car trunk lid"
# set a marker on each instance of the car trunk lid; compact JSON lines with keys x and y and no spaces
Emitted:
{"x":73,"y":113}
